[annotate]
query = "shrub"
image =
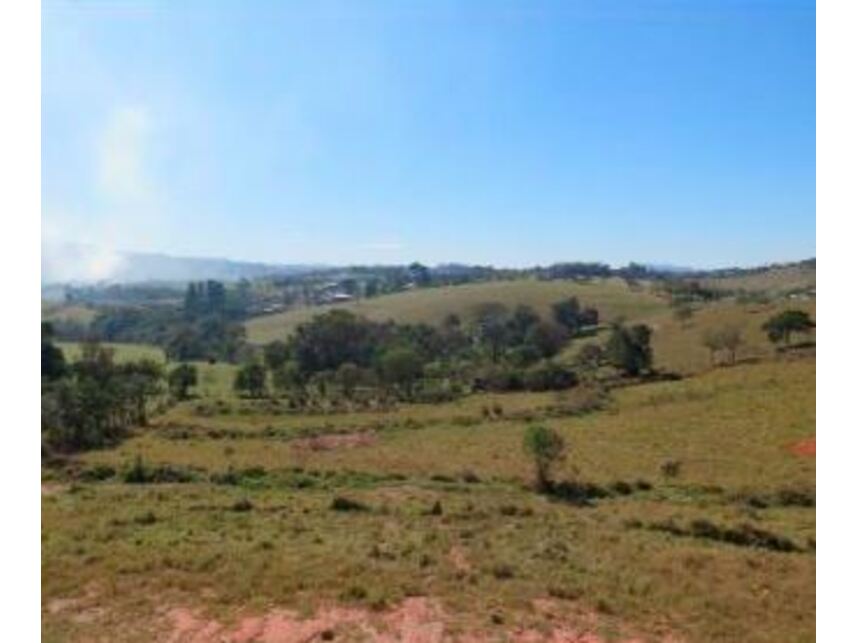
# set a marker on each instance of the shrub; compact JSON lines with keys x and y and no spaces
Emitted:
{"x":549,"y":376}
{"x":242,"y":505}
{"x":140,"y":473}
{"x":578,"y":493}
{"x":670,"y":468}
{"x":503,"y":571}
{"x":97,"y":473}
{"x":469,"y":476}
{"x":340,"y":503}
{"x":622,"y":488}
{"x":547,"y":447}
{"x":147,"y":518}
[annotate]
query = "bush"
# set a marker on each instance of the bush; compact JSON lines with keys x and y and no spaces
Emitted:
{"x":547,"y":447}
{"x":242,"y":505}
{"x":97,"y":473}
{"x":670,"y":468}
{"x":341,"y":503}
{"x":578,"y":493}
{"x":549,"y":376}
{"x":744,"y":535}
{"x":147,"y":518}
{"x":140,"y":473}
{"x":469,"y":477}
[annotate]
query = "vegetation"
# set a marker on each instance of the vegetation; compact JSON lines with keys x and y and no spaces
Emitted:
{"x":726,"y":340}
{"x":782,"y":326}
{"x":317,"y":457}
{"x":546,"y":447}
{"x":181,"y":379}
{"x":629,"y":349}
{"x":95,"y":401}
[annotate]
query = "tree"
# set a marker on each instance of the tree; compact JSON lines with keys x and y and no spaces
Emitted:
{"x":250,"y":380}
{"x":420,"y":275}
{"x":523,"y":319}
{"x":730,"y":338}
{"x":629,"y":350}
{"x":288,"y":376}
{"x":567,"y":313}
{"x":140,"y":380}
{"x":546,"y":447}
{"x":53,"y":360}
{"x":780,"y":327}
{"x":547,"y":338}
{"x":491,"y":327}
{"x":711,"y":341}
{"x":181,"y":378}
{"x":348,"y":376}
{"x":276,"y":354}
{"x":331,"y":339}
{"x":727,"y":339}
{"x":401,"y":367}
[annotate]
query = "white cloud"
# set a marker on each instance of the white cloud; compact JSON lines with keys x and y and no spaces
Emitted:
{"x":121,"y":155}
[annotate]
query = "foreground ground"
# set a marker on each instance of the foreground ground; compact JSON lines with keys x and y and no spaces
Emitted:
{"x":445,"y":538}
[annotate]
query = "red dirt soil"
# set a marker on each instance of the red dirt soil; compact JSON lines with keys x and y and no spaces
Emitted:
{"x":805,"y":448}
{"x":336,"y":441}
{"x":415,"y":620}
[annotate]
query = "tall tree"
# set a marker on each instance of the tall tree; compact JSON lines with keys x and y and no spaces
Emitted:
{"x":781,"y":327}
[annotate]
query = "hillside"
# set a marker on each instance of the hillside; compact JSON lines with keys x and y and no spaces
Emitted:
{"x":612,"y":297}
{"x":775,"y":279}
{"x":444,"y":521}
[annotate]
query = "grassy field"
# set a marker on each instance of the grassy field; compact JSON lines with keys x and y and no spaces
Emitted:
{"x":121,"y":352}
{"x":678,"y":346}
{"x":611,"y":297}
{"x":447,"y":514}
{"x":67,"y":312}
{"x":215,"y":380}
{"x":774,"y":280}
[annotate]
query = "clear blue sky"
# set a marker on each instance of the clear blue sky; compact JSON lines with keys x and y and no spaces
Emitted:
{"x":510,"y":133}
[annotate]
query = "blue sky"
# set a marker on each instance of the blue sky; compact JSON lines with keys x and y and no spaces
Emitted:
{"x":510,"y":133}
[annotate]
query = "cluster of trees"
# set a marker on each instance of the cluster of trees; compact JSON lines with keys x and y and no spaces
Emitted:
{"x":687,"y":291}
{"x":93,"y":401}
{"x":205,"y":326}
{"x":340,"y":353}
{"x":574,"y":270}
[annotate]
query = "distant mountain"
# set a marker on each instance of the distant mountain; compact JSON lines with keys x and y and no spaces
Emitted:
{"x":668,"y":268}
{"x":75,"y":263}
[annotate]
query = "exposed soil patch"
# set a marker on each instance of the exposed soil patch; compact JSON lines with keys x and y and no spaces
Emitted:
{"x":458,"y":558}
{"x":415,"y":620}
{"x":336,"y":441}
{"x":804,"y":448}
{"x":52,"y":488}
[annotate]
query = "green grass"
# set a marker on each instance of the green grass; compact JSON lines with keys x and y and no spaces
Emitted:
{"x":121,"y":352}
{"x":134,"y":551}
{"x":611,"y":297}
{"x":678,"y":347}
{"x":215,"y":380}
{"x":67,"y":312}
